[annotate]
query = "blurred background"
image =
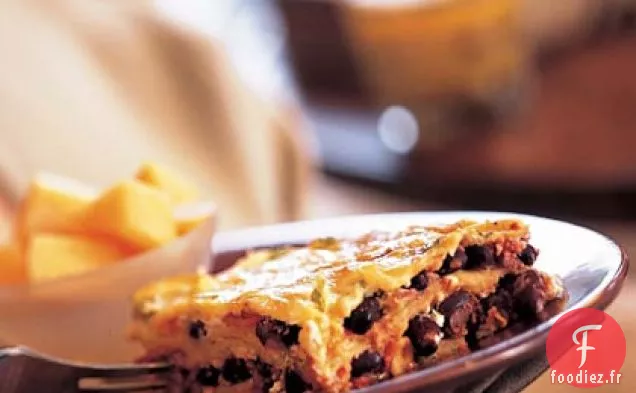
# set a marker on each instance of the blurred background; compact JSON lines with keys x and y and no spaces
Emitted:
{"x":289,"y":109}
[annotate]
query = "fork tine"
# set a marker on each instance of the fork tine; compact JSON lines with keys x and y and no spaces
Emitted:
{"x":124,"y":378}
{"x":125,"y":370}
{"x":86,"y":370}
{"x":49,"y":372}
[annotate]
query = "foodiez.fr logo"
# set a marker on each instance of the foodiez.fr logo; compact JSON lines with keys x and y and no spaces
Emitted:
{"x":586,"y":348}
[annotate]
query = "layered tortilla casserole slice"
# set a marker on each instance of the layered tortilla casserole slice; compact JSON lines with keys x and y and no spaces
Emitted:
{"x":342,"y":314}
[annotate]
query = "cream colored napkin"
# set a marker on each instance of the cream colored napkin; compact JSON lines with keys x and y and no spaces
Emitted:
{"x":90,"y":88}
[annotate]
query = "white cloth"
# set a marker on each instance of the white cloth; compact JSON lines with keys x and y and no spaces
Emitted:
{"x":89,"y":89}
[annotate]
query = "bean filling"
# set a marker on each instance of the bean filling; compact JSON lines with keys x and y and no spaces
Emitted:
{"x":529,"y":255}
{"x":294,"y":383}
{"x":454,"y":262}
{"x":424,"y":334}
{"x":197,"y":329}
{"x":236,"y":370}
{"x":529,"y":292}
{"x":365,"y":315}
{"x":498,"y":313}
{"x":268,"y":328}
{"x":208,"y":376}
{"x":266,"y":375}
{"x":420,"y":281}
{"x":480,"y":257}
{"x":367,"y":362}
{"x":501,"y":301}
{"x":461,"y":311}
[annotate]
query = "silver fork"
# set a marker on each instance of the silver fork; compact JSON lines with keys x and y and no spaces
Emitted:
{"x":23,"y":370}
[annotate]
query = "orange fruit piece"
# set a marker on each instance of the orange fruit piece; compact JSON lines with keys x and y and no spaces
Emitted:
{"x":169,"y":181}
{"x":53,"y":256}
{"x":12,"y":266}
{"x":134,"y":213}
{"x":54,"y":204}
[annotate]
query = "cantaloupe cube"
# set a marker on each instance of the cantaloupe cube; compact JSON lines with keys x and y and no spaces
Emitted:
{"x":12,"y":266}
{"x":51,"y":256}
{"x":169,"y":181}
{"x":189,"y":216}
{"x":136,"y":214}
{"x":54,"y":204}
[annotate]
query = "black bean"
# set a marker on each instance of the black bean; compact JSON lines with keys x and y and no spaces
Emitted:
{"x":236,"y":370}
{"x":531,"y":300}
{"x":509,"y":261}
{"x":197,"y":329}
{"x":420,"y":281}
{"x":265,"y":372}
{"x":526,"y":278}
{"x":424,"y":334}
{"x":208,"y":376}
{"x":498,"y":313}
{"x":454,"y":262}
{"x":528,"y":292}
{"x":528,"y":255}
{"x":502,"y":301}
{"x":506,"y":283}
{"x":264,"y":369}
{"x":268,"y":328}
{"x":367,"y":362}
{"x":480,"y":257}
{"x":472,"y":339}
{"x":365,"y":315}
{"x":461,"y":311}
{"x":294,"y":383}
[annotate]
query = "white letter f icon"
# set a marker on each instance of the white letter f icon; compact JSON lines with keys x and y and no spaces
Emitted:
{"x":583,"y":345}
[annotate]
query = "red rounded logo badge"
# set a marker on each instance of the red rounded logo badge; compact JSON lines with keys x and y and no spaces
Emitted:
{"x":586,"y":348}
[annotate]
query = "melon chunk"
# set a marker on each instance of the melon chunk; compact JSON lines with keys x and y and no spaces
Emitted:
{"x":12,"y":266}
{"x":51,"y":256}
{"x":54,"y":204}
{"x":169,"y":181}
{"x":189,"y":216}
{"x":136,"y":214}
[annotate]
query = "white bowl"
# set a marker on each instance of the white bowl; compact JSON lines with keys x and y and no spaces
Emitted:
{"x":84,"y":318}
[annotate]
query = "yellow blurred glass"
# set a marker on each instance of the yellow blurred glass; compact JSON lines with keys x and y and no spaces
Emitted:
{"x":409,"y":51}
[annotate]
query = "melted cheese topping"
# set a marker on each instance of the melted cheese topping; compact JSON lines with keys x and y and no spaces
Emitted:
{"x":322,"y":281}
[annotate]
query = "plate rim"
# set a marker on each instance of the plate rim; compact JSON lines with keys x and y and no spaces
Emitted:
{"x":518,"y":347}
